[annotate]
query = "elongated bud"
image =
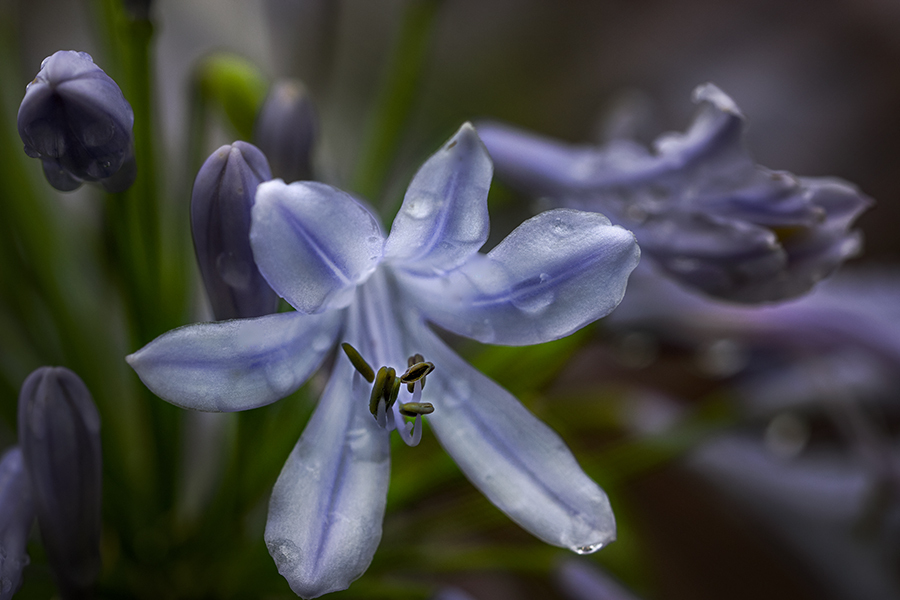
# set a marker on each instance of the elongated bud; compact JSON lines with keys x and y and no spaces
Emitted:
{"x":16,"y":517}
{"x":220,"y":221}
{"x":286,"y":130}
{"x":59,"y":432}
{"x":76,"y":120}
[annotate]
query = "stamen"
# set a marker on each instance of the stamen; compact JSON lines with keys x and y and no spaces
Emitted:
{"x":378,"y":389}
{"x":414,"y":409}
{"x":413,"y":374}
{"x":359,"y":363}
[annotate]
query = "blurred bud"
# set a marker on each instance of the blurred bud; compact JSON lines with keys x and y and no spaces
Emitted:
{"x":582,"y":580}
{"x":59,"y":432}
{"x":76,"y":120}
{"x":286,"y":130}
{"x":233,"y":85}
{"x":220,"y":220}
{"x":16,"y":516}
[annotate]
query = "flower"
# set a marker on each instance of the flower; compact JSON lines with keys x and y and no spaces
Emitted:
{"x":59,"y":432}
{"x":76,"y":120}
{"x":702,"y":210}
{"x":16,"y":517}
{"x":325,"y":253}
{"x":220,"y":223}
{"x":286,"y":130}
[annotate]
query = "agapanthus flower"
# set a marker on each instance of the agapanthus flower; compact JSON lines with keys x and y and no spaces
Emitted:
{"x":220,"y":223}
{"x":76,"y":120}
{"x":16,"y":518}
{"x":286,"y":130}
{"x":325,"y":253}
{"x":701,"y":209}
{"x":59,"y":432}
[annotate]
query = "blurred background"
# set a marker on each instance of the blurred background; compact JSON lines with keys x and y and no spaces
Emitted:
{"x":710,"y":484}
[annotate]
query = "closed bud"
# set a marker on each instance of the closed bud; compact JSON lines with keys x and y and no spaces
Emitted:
{"x":220,"y":221}
{"x":286,"y":130}
{"x":59,"y":432}
{"x":76,"y":120}
{"x":16,"y":516}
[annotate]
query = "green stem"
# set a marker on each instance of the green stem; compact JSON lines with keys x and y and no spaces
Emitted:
{"x":395,"y":99}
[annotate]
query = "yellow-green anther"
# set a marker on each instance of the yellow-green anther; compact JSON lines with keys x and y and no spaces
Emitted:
{"x":395,"y":391}
{"x":378,"y":389}
{"x":359,"y":362}
{"x":413,"y":409}
{"x":416,"y":372}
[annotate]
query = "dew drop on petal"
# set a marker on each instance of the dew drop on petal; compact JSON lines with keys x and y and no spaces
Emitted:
{"x":419,"y":208}
{"x":561,"y":229}
{"x":534,"y":304}
{"x":234,"y":271}
{"x":280,"y":377}
{"x":589,"y":549}
{"x":284,"y":552}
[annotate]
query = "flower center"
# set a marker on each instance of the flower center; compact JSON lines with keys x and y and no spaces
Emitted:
{"x":386,"y":389}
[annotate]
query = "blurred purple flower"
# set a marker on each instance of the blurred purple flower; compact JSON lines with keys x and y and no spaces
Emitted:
{"x":59,"y":432}
{"x":286,"y":130}
{"x":701,"y":209}
{"x":16,"y":517}
{"x":221,"y":204}
{"x":325,"y":253}
{"x":76,"y":120}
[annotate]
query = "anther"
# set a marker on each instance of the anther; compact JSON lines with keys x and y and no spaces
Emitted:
{"x":417,"y":370}
{"x":414,"y":409}
{"x":359,"y":363}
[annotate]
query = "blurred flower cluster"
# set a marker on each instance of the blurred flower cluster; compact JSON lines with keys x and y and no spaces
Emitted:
{"x":253,"y":263}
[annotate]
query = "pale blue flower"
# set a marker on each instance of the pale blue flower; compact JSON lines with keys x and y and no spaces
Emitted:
{"x":702,"y":210}
{"x":325,"y":253}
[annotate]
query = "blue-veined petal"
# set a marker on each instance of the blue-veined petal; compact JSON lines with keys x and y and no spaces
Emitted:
{"x":554,"y":274}
{"x":236,"y":365}
{"x":444,"y":217}
{"x":519,"y":463}
{"x":16,"y":518}
{"x":313,"y":243}
{"x":327,"y":506}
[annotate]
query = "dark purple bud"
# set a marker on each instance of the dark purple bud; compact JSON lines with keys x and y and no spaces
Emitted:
{"x":286,"y":130}
{"x":59,"y":432}
{"x":700,"y":208}
{"x":16,"y":516}
{"x":220,"y":220}
{"x":76,"y":120}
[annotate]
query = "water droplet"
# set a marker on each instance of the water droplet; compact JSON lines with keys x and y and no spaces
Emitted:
{"x":280,"y":377}
{"x":534,"y":304}
{"x":284,"y":552}
{"x":483,"y":331}
{"x":561,"y":228}
{"x":321,"y":343}
{"x":589,"y":549}
{"x":419,"y":208}
{"x":234,"y":271}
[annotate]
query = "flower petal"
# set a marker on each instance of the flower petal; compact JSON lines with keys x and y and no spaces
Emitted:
{"x":236,"y":365}
{"x":444,"y":217}
{"x":554,"y":274}
{"x":313,"y":243}
{"x":519,"y":463}
{"x":327,"y":506}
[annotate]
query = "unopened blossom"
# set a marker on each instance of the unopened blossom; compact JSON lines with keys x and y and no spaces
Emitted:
{"x":75,"y":119}
{"x":703,"y":212}
{"x":286,"y":130}
{"x":59,"y":432}
{"x":16,"y":518}
{"x":325,"y":253}
{"x":221,"y":202}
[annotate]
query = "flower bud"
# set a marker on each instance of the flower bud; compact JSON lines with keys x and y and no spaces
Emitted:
{"x":59,"y":432}
{"x":16,"y":516}
{"x":286,"y":130}
{"x":220,"y":221}
{"x":76,"y":120}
